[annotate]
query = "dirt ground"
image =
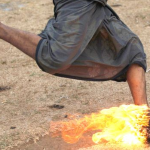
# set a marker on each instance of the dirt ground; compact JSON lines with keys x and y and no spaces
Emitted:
{"x":27,"y":94}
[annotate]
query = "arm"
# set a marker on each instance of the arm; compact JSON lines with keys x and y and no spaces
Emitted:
{"x":137,"y":84}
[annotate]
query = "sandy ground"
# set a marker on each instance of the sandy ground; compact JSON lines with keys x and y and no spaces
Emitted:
{"x":27,"y":94}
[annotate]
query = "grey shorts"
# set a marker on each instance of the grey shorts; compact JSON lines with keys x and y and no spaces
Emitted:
{"x":86,"y":40}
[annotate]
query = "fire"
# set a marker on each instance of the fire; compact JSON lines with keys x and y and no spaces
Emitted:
{"x":125,"y":124}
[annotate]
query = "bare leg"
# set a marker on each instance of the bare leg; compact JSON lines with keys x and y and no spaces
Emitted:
{"x":137,"y":84}
{"x":26,"y":42}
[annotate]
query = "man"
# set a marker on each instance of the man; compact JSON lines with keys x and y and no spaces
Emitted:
{"x":86,"y":40}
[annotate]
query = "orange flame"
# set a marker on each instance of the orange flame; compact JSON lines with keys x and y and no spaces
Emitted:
{"x":125,"y":124}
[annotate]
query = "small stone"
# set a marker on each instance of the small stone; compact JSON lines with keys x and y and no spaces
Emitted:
{"x":56,"y":106}
{"x":12,"y":128}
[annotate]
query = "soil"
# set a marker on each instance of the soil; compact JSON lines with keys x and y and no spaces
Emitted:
{"x":30,"y":99}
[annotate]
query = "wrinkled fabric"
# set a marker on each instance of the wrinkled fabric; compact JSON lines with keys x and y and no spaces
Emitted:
{"x":86,"y":40}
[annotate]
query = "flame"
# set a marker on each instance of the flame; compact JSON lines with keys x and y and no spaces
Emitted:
{"x":125,"y":124}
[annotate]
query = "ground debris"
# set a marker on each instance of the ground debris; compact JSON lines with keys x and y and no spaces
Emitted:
{"x":4,"y":88}
{"x":116,"y":5}
{"x":56,"y":106}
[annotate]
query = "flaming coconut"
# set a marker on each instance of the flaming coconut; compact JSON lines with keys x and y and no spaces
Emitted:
{"x":127,"y":124}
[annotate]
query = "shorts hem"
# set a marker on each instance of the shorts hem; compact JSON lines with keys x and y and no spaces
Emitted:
{"x":36,"y":54}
